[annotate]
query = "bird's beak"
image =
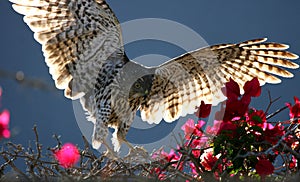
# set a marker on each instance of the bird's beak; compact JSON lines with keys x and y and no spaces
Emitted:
{"x":136,"y":95}
{"x":146,"y":92}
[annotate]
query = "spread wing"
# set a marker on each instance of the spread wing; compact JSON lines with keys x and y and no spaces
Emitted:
{"x":181,"y":83}
{"x":78,"y":37}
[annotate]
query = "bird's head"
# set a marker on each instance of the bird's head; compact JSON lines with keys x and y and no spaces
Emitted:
{"x":141,"y":87}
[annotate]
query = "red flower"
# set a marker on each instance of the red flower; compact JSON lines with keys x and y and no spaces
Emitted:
{"x":264,"y":167}
{"x":4,"y":121}
{"x":293,"y":163}
{"x":167,"y":157}
{"x":292,"y":141}
{"x":252,"y":88}
{"x":68,"y":155}
{"x":295,"y":145}
{"x":236,"y":106}
{"x":228,"y":128}
{"x":208,"y":160}
{"x":204,"y":110}
{"x":273,"y":133}
{"x":295,"y":109}
{"x":257,"y":117}
{"x":232,"y":90}
{"x":172,"y":156}
{"x":158,"y":171}
{"x":198,"y":144}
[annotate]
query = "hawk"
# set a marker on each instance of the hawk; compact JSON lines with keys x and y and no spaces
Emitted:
{"x":82,"y":44}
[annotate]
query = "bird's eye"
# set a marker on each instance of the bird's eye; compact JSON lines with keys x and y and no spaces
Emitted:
{"x":137,"y":85}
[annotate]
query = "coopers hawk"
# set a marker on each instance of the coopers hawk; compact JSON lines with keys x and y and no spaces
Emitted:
{"x":82,"y":44}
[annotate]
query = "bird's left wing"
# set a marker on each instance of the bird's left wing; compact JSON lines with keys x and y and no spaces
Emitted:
{"x":182,"y":83}
{"x":78,"y":37}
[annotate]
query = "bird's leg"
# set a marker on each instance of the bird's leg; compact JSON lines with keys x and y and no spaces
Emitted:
{"x":101,"y":129}
{"x":135,"y":153}
{"x":110,"y":153}
{"x":119,"y":137}
{"x":128,"y":144}
{"x":100,"y":139}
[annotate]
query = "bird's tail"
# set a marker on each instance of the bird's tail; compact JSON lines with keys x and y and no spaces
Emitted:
{"x":97,"y":138}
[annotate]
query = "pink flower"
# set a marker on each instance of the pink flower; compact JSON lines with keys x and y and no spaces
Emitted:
{"x":193,"y":168}
{"x":172,"y":156}
{"x":190,"y":128}
{"x":213,"y":130}
{"x":4,"y":121}
{"x":264,"y":167}
{"x":295,"y":109}
{"x":68,"y":155}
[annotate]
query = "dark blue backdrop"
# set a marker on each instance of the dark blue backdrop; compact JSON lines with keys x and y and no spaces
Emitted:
{"x":216,"y":21}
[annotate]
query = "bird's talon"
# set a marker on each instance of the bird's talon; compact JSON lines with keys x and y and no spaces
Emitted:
{"x":137,"y":155}
{"x":111,"y":155}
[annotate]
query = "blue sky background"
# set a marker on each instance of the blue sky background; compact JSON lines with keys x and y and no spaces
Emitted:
{"x":216,"y":21}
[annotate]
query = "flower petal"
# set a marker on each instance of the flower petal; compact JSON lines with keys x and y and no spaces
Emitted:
{"x":252,"y":88}
{"x":4,"y":118}
{"x":232,"y":89}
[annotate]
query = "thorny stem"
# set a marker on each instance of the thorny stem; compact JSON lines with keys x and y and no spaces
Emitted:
{"x":10,"y":162}
{"x":182,"y":156}
{"x":282,"y":138}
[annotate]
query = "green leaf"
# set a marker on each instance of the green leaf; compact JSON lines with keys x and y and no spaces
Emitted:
{"x":251,"y":111}
{"x":257,"y":119}
{"x":217,"y":149}
{"x":238,"y":164}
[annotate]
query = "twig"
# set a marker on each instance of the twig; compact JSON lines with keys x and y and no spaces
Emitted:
{"x":14,"y":167}
{"x":37,"y":144}
{"x":182,"y":156}
{"x":276,"y":112}
{"x":271,"y":101}
{"x":58,"y":140}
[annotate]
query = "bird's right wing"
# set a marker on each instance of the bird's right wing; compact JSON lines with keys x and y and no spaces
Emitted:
{"x":182,"y":83}
{"x":78,"y":37}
